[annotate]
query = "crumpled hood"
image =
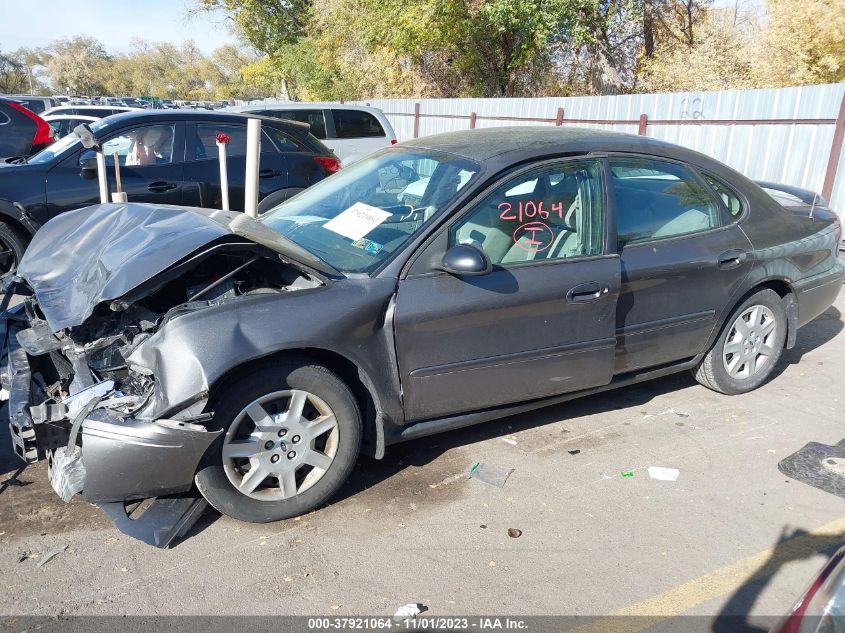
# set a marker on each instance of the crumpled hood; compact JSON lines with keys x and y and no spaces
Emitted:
{"x":99,"y":253}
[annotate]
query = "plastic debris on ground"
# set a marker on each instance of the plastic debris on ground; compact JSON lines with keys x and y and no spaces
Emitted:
{"x":408,"y":611}
{"x":514,"y":532}
{"x":663,"y":474}
{"x":574,"y":451}
{"x":51,"y":555}
{"x":627,"y":473}
{"x":510,"y":439}
{"x":490,"y":474}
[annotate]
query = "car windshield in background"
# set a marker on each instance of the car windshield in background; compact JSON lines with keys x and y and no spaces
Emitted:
{"x":357,"y":218}
{"x":64,"y":144}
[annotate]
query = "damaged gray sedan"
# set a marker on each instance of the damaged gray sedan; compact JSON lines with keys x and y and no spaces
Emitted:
{"x":436,"y":284}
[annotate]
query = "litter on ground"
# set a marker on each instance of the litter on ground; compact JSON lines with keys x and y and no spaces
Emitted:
{"x":490,"y":474}
{"x":663,"y":474}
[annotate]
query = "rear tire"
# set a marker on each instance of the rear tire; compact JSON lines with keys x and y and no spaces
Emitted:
{"x":749,"y":347}
{"x":12,"y":247}
{"x":296,"y":427}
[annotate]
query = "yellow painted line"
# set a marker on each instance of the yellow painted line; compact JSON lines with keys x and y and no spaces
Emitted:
{"x":718,"y":582}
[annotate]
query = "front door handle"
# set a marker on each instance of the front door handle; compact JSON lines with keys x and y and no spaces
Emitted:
{"x":160,"y":186}
{"x":587,"y":293}
{"x":268,"y":173}
{"x":731,"y":259}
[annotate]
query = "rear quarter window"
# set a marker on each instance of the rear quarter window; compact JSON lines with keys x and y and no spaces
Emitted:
{"x":356,"y":124}
{"x":314,"y":118}
{"x":282,"y":141}
{"x":727,"y":194}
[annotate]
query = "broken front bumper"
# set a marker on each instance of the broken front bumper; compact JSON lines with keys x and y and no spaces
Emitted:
{"x":108,"y":457}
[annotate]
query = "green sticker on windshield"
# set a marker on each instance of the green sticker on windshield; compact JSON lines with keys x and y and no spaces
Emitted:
{"x":370,"y":246}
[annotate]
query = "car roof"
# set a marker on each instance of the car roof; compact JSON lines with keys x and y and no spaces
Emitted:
{"x":74,"y":117}
{"x":303,"y":105}
{"x":499,"y":146}
{"x":66,"y":106}
{"x":144,"y":116}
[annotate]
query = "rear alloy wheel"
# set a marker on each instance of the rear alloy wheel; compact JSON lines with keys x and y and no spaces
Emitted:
{"x":748,"y":349}
{"x":292,"y":433}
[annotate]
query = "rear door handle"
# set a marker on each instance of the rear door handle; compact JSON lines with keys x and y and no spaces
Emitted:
{"x":268,"y":173}
{"x":587,"y":293}
{"x":160,"y":186}
{"x":731,"y":259}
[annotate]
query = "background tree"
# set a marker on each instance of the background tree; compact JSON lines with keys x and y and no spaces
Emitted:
{"x":74,"y":65}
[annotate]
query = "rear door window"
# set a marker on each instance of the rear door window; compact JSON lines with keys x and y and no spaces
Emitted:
{"x":205,"y":144}
{"x":657,"y":200}
{"x":356,"y":124}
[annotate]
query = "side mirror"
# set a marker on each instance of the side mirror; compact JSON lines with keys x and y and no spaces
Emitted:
{"x":466,"y":259}
{"x":88,"y":164}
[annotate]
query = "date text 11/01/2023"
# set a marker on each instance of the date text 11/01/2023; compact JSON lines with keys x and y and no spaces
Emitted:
{"x":418,"y":624}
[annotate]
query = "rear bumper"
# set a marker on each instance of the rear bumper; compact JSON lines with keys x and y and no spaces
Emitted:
{"x":112,"y":457}
{"x":817,"y":293}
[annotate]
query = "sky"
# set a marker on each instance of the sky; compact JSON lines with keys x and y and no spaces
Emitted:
{"x":113,"y":22}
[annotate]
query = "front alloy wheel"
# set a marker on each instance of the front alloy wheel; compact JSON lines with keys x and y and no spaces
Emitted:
{"x":280,"y":445}
{"x":292,"y":434}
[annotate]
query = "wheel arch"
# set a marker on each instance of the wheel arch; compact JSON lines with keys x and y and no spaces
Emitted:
{"x":783,"y":287}
{"x":361,"y":385}
{"x":16,"y":216}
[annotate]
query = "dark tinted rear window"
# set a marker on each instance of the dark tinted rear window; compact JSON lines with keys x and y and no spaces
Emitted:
{"x":35,"y":105}
{"x":356,"y":124}
{"x":314,"y":118}
{"x":205,"y":145}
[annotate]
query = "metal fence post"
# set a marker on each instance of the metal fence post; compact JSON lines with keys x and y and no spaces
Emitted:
{"x":835,"y":152}
{"x":472,"y":117}
{"x":416,"y":120}
{"x":643,"y":124}
{"x":559,"y":117}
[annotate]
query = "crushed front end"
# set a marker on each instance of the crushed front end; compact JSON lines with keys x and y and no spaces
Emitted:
{"x":73,"y":399}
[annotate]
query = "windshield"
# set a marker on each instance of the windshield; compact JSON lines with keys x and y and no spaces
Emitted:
{"x":64,"y":145}
{"x":357,"y":218}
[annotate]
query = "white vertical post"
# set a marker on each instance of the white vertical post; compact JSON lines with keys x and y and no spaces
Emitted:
{"x":224,"y":176}
{"x":101,"y":176}
{"x":253,"y":149}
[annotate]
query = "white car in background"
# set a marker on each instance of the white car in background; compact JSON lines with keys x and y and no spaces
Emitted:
{"x":351,"y":131}
{"x":96,"y":111}
{"x":63,"y":124}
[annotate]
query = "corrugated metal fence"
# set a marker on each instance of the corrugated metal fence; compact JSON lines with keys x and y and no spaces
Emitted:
{"x":788,"y":135}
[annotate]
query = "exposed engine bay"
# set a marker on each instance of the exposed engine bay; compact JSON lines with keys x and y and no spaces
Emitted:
{"x":96,"y":352}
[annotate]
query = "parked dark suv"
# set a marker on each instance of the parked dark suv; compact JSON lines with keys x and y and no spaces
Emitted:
{"x":166,"y":157}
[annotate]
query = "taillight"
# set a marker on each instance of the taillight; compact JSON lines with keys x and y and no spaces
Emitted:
{"x":393,"y":141}
{"x":43,"y":132}
{"x":330,"y":163}
{"x":821,"y":605}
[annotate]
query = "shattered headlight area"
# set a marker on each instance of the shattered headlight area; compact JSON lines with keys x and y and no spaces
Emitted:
{"x":51,"y":377}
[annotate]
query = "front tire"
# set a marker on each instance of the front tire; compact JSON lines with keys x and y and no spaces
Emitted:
{"x":747,"y":351}
{"x":292,"y":434}
{"x":12,"y":247}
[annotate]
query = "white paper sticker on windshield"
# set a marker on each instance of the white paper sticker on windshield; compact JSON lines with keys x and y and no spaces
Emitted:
{"x":357,"y":221}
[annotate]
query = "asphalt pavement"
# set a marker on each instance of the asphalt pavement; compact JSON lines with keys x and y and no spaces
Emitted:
{"x":731,"y":535}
